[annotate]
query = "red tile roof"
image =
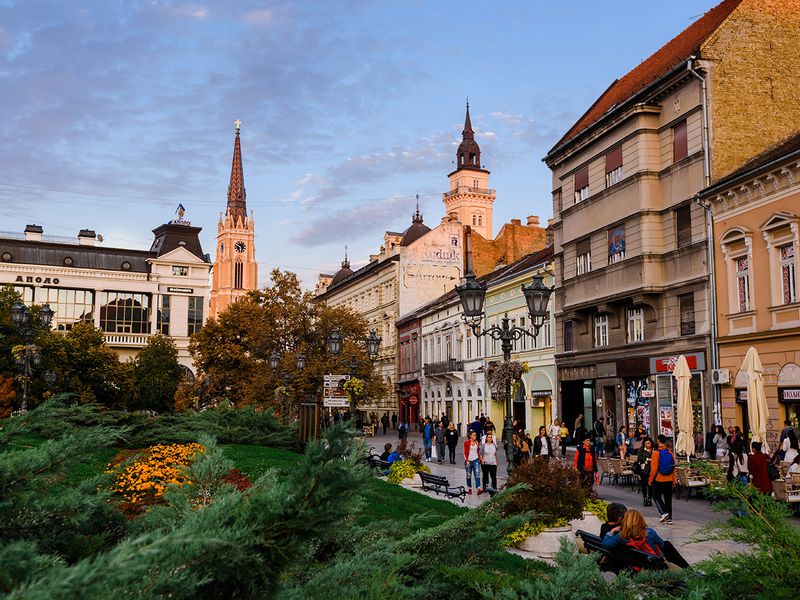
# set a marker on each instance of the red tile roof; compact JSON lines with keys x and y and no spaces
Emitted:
{"x":677,"y":50}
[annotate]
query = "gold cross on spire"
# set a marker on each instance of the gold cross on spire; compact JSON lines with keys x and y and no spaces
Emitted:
{"x":238,"y":124}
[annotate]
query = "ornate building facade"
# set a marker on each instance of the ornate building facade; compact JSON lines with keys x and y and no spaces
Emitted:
{"x":235,"y":268}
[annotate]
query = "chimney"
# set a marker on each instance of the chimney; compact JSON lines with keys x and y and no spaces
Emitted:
{"x":517,"y":222}
{"x":86,"y":237}
{"x":33,"y":233}
{"x":533,"y":221}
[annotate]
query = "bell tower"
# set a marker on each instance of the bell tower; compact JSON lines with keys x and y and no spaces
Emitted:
{"x":235,"y":268}
{"x":470,"y":198}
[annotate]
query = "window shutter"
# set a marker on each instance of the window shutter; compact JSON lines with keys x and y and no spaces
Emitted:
{"x":614,"y":159}
{"x":683,"y":225}
{"x":582,"y":178}
{"x":584,"y":246}
{"x":680,"y":146}
{"x":569,"y":340}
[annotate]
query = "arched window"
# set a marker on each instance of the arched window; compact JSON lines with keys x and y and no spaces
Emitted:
{"x":238,"y":275}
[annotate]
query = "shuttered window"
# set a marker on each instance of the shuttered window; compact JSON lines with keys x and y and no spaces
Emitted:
{"x":687,"y":314}
{"x":583,"y":256}
{"x":683,"y":225}
{"x":582,"y":184}
{"x":680,"y":145}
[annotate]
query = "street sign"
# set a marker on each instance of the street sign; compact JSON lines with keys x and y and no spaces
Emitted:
{"x":333,"y":393}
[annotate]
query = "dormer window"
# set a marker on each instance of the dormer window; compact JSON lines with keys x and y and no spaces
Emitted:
{"x":179,"y":271}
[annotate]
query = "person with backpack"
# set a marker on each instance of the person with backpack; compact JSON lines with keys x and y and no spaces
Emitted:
{"x":634,"y":533}
{"x":663,"y":478}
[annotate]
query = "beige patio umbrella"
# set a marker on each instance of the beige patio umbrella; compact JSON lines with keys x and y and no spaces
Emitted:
{"x":756,"y":398}
{"x":683,"y":375}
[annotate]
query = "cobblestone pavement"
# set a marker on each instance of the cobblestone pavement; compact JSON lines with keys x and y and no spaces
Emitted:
{"x":689,"y":517}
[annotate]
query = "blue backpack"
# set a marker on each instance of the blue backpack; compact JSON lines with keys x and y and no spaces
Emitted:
{"x":666,"y":462}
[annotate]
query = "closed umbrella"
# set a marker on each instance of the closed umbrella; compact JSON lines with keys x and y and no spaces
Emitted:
{"x":683,"y":376}
{"x":756,"y":398}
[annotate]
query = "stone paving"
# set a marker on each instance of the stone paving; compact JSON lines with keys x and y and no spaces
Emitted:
{"x":688,"y":516}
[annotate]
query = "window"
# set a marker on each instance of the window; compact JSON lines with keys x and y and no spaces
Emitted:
{"x":27,"y":294}
{"x":469,"y":346}
{"x":124,"y":312}
{"x":524,"y":339}
{"x":614,"y":172}
{"x":686,"y":302}
{"x":743,"y":283}
{"x":475,"y":183}
{"x":583,"y":256}
{"x":438,"y":349}
{"x":474,"y":220}
{"x":162,"y":318}
{"x":600,"y":331}
{"x":680,"y":145}
{"x":70,"y":306}
{"x":238,"y":275}
{"x":616,"y":244}
{"x":788,"y":276}
{"x":180,"y":271}
{"x":195,"y":315}
{"x":582,"y":184}
{"x":636,"y":324}
{"x":683,"y":225}
{"x":569,"y":340}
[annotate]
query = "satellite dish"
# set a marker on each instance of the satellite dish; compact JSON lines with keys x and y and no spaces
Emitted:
{"x":99,"y":237}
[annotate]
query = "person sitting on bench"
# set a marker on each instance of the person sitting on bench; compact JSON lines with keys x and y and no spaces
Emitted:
{"x":614,"y":513}
{"x":612,"y":537}
{"x":634,"y":532}
{"x":387,"y":450}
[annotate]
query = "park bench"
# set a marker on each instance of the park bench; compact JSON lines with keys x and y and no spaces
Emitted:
{"x":440,"y":485}
{"x":624,"y":555}
{"x":374,"y":461}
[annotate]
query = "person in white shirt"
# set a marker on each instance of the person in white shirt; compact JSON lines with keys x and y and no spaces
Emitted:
{"x":555,"y":436}
{"x":488,"y":454}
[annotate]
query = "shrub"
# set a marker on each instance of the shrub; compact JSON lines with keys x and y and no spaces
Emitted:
{"x":402,"y":469}
{"x":552,"y":491}
{"x":597,"y":507}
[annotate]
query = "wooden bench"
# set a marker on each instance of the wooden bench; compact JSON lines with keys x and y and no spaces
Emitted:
{"x":621,"y":557}
{"x":690,"y":482}
{"x":440,"y":485}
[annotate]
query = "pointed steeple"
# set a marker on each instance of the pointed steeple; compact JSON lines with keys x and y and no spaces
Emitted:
{"x":417,"y":218}
{"x":468,"y":155}
{"x":345,"y":262}
{"x":237,"y":196}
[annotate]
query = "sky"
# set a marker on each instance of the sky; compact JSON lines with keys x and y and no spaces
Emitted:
{"x":115,"y":111}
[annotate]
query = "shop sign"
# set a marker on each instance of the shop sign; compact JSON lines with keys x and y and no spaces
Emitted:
{"x":648,"y":393}
{"x":791,"y":395}
{"x":180,"y":290}
{"x":665,"y":420}
{"x":741,"y":396}
{"x":666,"y":364}
{"x":541,"y":394}
{"x":34,"y":279}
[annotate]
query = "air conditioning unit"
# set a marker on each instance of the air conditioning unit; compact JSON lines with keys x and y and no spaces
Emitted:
{"x":720,"y":376}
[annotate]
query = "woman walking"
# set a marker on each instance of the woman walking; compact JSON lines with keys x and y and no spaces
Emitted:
{"x":757,"y":464}
{"x":488,"y":455}
{"x":563,"y":433}
{"x":452,"y":442}
{"x":643,"y":469}
{"x":720,"y":443}
{"x":555,"y":437}
{"x":622,"y":443}
{"x":586,"y":463}
{"x":472,"y":462}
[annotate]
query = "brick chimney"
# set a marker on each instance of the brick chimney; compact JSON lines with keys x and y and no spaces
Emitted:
{"x":533,"y":221}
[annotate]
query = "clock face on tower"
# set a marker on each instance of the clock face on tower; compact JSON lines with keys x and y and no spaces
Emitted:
{"x":239,"y":247}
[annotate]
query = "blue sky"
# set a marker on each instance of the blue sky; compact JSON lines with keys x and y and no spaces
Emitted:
{"x":115,"y":111}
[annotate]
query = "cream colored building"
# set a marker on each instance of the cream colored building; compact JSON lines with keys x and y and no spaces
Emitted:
{"x":631,"y":252}
{"x":128,"y":294}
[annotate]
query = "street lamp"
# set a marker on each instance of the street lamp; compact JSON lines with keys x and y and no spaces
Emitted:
{"x":274,"y":361}
{"x":334,"y":343}
{"x":30,"y":358}
{"x":472,"y":296}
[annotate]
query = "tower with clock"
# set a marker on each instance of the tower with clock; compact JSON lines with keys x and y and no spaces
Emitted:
{"x":235,"y":268}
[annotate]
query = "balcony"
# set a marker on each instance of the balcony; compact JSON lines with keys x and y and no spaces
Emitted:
{"x":463,"y":189}
{"x":448,"y":366}
{"x":128,"y":340}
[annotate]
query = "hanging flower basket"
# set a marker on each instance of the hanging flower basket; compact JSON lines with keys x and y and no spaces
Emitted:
{"x":499,"y":375}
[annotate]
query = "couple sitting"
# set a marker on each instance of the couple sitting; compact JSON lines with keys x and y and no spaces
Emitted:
{"x":628,"y":528}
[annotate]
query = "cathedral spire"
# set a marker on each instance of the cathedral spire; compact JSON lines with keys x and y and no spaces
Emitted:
{"x":237,"y":195}
{"x":468,"y":132}
{"x":468,"y":155}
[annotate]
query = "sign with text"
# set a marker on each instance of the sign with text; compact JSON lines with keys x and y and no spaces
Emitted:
{"x":180,"y":290}
{"x":333,"y":392}
{"x":666,"y":364}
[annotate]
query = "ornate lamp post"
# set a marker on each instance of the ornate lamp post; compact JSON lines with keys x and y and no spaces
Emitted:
{"x":31,"y":356}
{"x":372,"y":343}
{"x":473,"y":295}
{"x":275,"y":362}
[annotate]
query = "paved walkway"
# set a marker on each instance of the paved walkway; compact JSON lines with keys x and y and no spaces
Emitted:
{"x":688,"y":516}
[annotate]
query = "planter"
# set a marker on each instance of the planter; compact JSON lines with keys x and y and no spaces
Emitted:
{"x":412,"y":482}
{"x":547,"y":543}
{"x":589,"y":523}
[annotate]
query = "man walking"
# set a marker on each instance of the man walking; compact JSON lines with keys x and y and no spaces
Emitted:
{"x":427,"y":438}
{"x":394,"y":420}
{"x":385,"y":422}
{"x":663,"y":478}
{"x":441,"y":441}
{"x":542,"y":446}
{"x":599,"y":437}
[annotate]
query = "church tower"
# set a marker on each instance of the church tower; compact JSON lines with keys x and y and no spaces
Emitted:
{"x":469,"y":198}
{"x":235,"y":268}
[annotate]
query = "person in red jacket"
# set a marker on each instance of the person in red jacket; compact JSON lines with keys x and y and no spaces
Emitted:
{"x":757,"y":463}
{"x":586,"y":463}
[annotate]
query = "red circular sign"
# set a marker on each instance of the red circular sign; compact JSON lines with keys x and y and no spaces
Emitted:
{"x":413,"y":400}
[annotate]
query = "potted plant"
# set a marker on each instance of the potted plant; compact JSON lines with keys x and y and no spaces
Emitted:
{"x":405,"y":471}
{"x":555,"y":496}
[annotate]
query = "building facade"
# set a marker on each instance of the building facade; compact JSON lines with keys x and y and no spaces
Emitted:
{"x":757,"y":236}
{"x":631,"y":250}
{"x":129,"y":295}
{"x":235,"y":267}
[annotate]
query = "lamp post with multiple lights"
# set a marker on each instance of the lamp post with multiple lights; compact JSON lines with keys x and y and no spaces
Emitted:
{"x":372,"y":343}
{"x":473,"y":295}
{"x":31,"y":356}
{"x":275,"y":362}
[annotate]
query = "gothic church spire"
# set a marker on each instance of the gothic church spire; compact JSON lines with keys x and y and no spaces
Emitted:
{"x":237,"y":206}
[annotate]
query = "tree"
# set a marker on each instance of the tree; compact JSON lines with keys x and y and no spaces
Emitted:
{"x":232,"y":351}
{"x":157,"y":373}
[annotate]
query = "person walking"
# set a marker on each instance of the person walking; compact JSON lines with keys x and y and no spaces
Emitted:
{"x":477,"y":427}
{"x":579,"y":432}
{"x":472,"y":462}
{"x":663,"y":478}
{"x":402,"y":431}
{"x":757,"y":463}
{"x":452,"y":442}
{"x":394,"y":421}
{"x":542,"y":446}
{"x":441,"y":441}
{"x":488,"y":454}
{"x":555,"y":437}
{"x":720,"y":443}
{"x":642,"y":468}
{"x":427,"y":438}
{"x":586,"y":463}
{"x":599,"y":432}
{"x":739,"y":467}
{"x":621,"y":443}
{"x":563,"y":434}
{"x":385,"y":422}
